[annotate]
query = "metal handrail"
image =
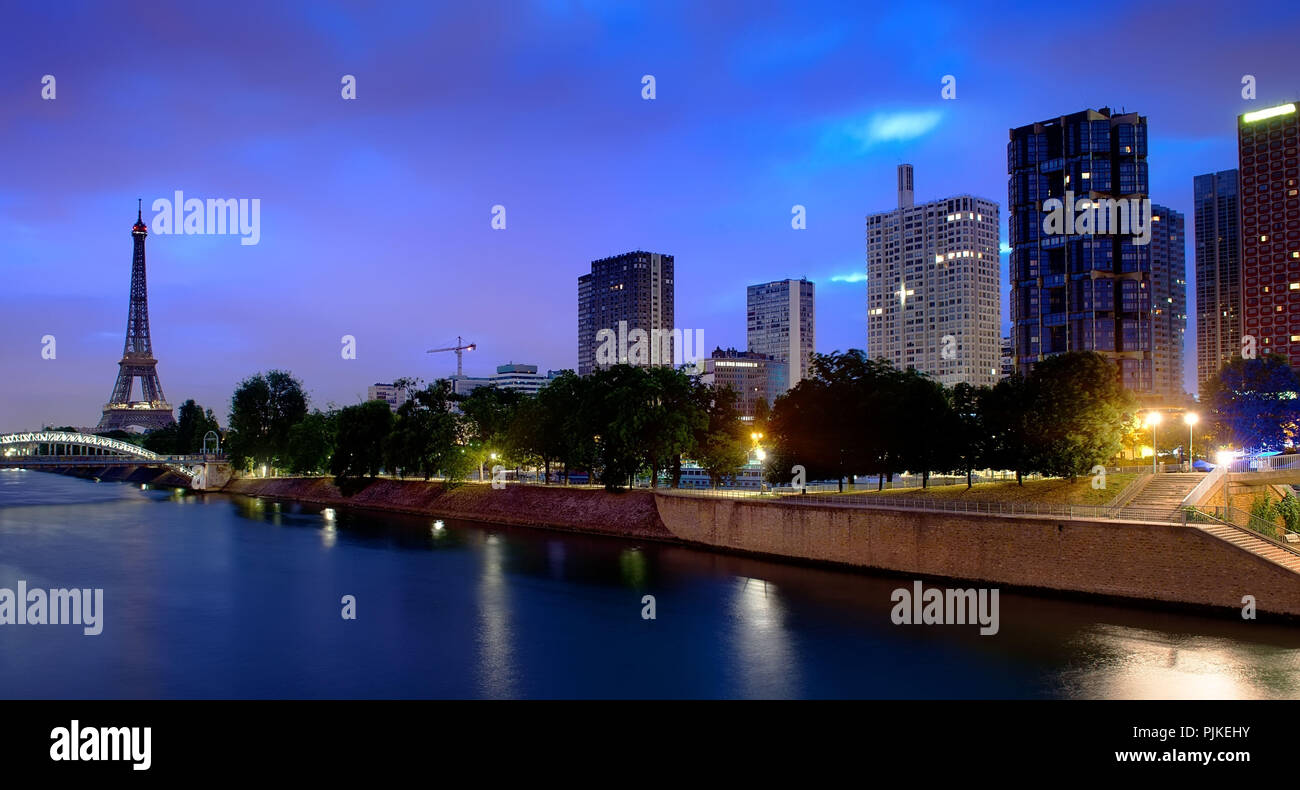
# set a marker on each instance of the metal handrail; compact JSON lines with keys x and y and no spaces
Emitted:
{"x":873,"y":501}
{"x":1122,"y":497}
{"x":1204,"y":513}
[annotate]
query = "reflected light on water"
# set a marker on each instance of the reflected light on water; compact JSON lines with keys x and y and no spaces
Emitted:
{"x":1132,"y":663}
{"x":765,"y":653}
{"x":496,"y":672}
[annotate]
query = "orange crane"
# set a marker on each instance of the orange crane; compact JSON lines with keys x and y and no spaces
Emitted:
{"x":460,"y":348}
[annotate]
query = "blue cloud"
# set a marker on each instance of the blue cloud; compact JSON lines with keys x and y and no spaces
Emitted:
{"x":860,"y":135}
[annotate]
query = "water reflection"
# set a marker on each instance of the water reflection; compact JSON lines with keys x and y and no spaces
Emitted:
{"x":764,"y":650}
{"x":494,"y":638}
{"x":199,"y":599}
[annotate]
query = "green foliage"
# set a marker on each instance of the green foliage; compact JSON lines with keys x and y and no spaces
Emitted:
{"x":426,"y":437}
{"x":488,"y":414}
{"x":1264,"y":514}
{"x":1289,"y":510}
{"x":263,"y":410}
{"x":185,"y":436}
{"x":363,"y":432}
{"x":1078,"y":409}
{"x":312,"y":441}
{"x":721,"y":446}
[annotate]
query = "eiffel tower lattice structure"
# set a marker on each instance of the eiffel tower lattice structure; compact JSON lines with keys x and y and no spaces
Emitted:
{"x":153,"y":410}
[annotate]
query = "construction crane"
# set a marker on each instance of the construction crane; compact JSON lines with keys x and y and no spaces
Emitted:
{"x":460,"y":348}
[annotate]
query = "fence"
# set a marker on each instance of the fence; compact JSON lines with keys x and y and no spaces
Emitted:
{"x":875,"y":501}
{"x":1254,"y":525}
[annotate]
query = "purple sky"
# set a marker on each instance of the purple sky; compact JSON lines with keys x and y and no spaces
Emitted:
{"x":375,"y":213}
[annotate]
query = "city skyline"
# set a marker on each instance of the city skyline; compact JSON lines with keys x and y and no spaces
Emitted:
{"x":376,"y":214}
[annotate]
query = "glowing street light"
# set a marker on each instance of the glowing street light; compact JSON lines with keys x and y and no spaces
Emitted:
{"x":1191,"y":418}
{"x":1153,"y":419}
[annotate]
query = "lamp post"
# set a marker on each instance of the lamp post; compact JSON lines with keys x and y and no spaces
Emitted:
{"x":1191,"y":418}
{"x":1153,"y":419}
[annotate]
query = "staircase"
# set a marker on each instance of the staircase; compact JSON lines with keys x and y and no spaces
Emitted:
{"x":1161,"y":498}
{"x":1242,"y":538}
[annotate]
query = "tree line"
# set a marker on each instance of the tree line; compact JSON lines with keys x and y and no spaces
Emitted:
{"x":851,"y":416}
{"x":612,"y":426}
{"x":858,"y":416}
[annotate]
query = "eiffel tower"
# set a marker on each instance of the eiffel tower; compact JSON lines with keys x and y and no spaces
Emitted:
{"x":137,"y":357}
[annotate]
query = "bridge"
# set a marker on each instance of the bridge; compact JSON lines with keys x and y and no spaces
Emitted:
{"x":52,"y":450}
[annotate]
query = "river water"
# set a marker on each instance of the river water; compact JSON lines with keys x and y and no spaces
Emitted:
{"x":211,"y":596}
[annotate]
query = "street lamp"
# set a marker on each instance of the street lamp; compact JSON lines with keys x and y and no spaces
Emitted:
{"x":1153,"y":419}
{"x":1191,"y":418}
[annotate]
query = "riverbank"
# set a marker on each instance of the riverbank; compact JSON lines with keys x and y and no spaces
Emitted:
{"x":629,"y":514}
{"x":1150,"y":564}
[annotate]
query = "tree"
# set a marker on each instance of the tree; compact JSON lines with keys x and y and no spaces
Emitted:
{"x":488,"y":413}
{"x":185,"y":436}
{"x":1253,"y":403}
{"x":363,"y":432}
{"x":1007,"y":421}
{"x":564,"y":433}
{"x":312,"y":441}
{"x":721,"y":447}
{"x":262,"y":411}
{"x":676,"y":413}
{"x":970,"y":435}
{"x":928,"y":425}
{"x":426,"y":438}
{"x":1078,"y":410}
{"x":619,"y":404}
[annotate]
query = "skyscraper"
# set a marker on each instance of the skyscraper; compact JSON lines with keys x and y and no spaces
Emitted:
{"x":933,"y":293}
{"x":781,"y":323}
{"x":1270,"y":229}
{"x":625,"y":312}
{"x":1169,"y":305}
{"x":1218,"y":273}
{"x":1080,"y":291}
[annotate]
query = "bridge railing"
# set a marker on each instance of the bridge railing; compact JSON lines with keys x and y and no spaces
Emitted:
{"x":1269,"y":463}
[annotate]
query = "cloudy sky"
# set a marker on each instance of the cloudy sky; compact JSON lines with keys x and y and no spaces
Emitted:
{"x":376,"y":213}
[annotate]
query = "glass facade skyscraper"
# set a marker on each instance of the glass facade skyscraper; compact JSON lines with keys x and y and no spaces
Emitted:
{"x":1218,"y":272}
{"x":1169,"y":305}
{"x":1075,"y":291}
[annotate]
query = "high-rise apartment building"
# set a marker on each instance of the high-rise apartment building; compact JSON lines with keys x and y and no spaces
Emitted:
{"x":1218,"y":272}
{"x":1078,"y":290}
{"x":625,"y":312}
{"x":781,"y":323}
{"x":1269,"y":164}
{"x":1169,"y":303}
{"x":933,"y":293}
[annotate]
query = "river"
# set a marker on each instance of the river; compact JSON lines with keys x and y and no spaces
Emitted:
{"x":212,"y":596}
